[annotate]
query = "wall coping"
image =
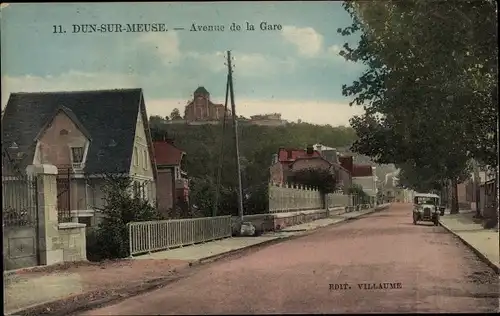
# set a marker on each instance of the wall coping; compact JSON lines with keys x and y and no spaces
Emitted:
{"x":71,"y":225}
{"x":41,"y":169}
{"x":83,"y":213}
{"x":297,"y":212}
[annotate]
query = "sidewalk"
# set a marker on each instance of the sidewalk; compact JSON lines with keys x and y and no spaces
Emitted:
{"x":215,"y":248}
{"x":86,"y":282}
{"x":484,"y":242}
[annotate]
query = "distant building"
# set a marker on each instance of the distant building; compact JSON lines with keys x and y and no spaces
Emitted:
{"x":290,"y":160}
{"x":272,"y":119}
{"x":172,"y":184}
{"x":202,"y":109}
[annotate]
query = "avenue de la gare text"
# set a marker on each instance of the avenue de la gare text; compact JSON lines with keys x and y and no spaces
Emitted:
{"x":162,"y":27}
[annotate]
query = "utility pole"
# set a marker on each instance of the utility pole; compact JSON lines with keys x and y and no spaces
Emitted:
{"x":221,"y":160}
{"x":235,"y":128}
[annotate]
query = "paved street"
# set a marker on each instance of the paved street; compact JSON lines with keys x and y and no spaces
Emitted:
{"x":422,"y":268}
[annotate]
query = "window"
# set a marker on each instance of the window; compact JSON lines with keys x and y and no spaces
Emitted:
{"x":137,"y":188}
{"x":136,"y":157}
{"x":145,"y":161}
{"x":77,"y":154}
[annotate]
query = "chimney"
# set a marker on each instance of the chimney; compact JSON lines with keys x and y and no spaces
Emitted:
{"x":289,"y":154}
{"x":275,"y":159}
{"x":168,"y":139}
{"x":347,"y":163}
{"x":310,"y":150}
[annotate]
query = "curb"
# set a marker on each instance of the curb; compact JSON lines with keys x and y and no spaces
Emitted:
{"x":481,"y":256}
{"x":116,"y":295}
{"x":80,"y":302}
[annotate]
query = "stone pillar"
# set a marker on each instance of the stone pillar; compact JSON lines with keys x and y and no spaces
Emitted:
{"x":49,"y":244}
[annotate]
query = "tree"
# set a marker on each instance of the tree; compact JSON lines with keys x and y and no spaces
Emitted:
{"x":429,"y":70}
{"x":110,"y":239}
{"x":175,"y":115}
{"x":324,"y":180}
{"x":202,"y":145}
{"x":357,"y":190}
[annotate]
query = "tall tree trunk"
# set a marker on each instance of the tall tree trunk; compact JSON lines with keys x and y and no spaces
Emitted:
{"x":477,"y":181}
{"x":454,"y":197}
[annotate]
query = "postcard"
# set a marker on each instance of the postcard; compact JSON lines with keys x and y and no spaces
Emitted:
{"x":284,"y":157}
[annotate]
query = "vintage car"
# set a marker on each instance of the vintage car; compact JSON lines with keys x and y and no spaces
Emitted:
{"x":426,"y":207}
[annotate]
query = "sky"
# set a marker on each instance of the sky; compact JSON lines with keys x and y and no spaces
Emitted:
{"x":294,"y":69}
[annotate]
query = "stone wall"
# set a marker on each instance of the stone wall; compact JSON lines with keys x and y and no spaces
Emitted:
{"x":277,"y":221}
{"x":57,"y":242}
{"x":73,"y":243}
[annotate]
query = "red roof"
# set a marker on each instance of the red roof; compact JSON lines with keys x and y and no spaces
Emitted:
{"x":362,"y":171}
{"x":310,"y":157}
{"x":289,"y":155}
{"x":167,"y":154}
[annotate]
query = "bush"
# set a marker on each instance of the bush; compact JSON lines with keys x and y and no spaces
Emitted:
{"x":256,"y":199}
{"x":110,"y":239}
{"x":357,"y":190}
{"x":324,"y":180}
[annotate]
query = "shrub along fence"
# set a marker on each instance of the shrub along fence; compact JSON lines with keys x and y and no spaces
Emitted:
{"x":151,"y":236}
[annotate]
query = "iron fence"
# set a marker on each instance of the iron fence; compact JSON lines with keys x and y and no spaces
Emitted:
{"x":160,"y":235}
{"x":19,"y":201}
{"x":63,"y":183}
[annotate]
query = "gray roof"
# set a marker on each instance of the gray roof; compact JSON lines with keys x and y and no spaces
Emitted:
{"x":330,"y":155}
{"x":201,"y":90}
{"x":108,"y":116}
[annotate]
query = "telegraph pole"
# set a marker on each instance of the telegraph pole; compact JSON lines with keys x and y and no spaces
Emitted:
{"x":235,"y":128}
{"x":221,"y":160}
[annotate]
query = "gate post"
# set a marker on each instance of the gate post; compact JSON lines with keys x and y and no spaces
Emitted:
{"x":50,"y":244}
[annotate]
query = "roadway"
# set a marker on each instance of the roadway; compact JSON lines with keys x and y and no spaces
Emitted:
{"x":378,"y":263}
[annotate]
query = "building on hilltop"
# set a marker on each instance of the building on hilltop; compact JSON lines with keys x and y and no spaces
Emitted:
{"x":202,"y":109}
{"x":273,"y":119}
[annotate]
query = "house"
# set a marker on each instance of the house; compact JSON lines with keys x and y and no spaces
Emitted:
{"x":86,"y":135}
{"x":273,"y":119}
{"x":288,"y":161}
{"x":172,"y":184}
{"x":280,"y":170}
{"x":361,"y":174}
{"x":201,"y":108}
{"x":331,"y":155}
{"x":364,"y":176}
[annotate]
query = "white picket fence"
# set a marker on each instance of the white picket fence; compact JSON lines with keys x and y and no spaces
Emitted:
{"x":287,"y":197}
{"x":338,"y":200}
{"x":151,"y":236}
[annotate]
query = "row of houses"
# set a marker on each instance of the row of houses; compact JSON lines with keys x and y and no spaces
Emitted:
{"x":291,"y":160}
{"x":89,"y":135}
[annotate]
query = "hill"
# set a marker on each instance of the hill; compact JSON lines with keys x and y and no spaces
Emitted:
{"x":257,"y":145}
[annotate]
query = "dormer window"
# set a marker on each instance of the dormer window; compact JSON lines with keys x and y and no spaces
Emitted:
{"x":63,"y":132}
{"x":77,"y":155}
